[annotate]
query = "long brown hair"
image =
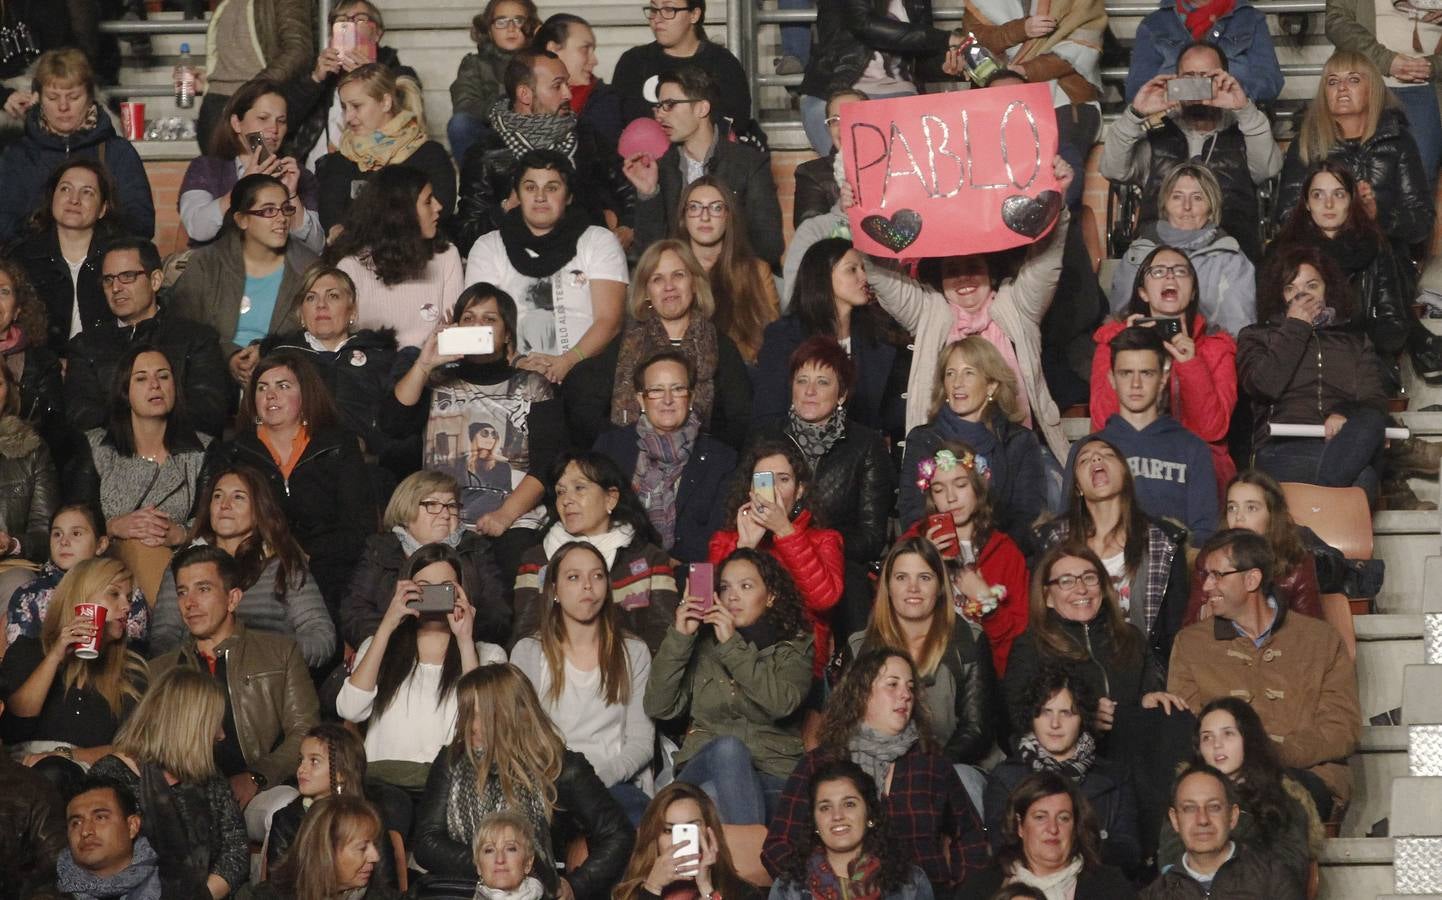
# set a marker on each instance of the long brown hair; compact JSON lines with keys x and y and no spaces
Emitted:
{"x":1300,"y":226}
{"x":307,"y":870}
{"x":519,"y":743}
{"x":885,"y":630}
{"x":1132,"y":523}
{"x":119,"y":673}
{"x":270,"y":535}
{"x":1126,"y":643}
{"x":981,"y":514}
{"x":736,"y":285}
{"x":615,"y":664}
{"x":846,"y":708}
{"x":653,"y":822}
{"x":1282,"y":530}
{"x":1086,"y":837}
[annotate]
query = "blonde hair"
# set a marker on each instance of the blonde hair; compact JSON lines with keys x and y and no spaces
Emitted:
{"x":615,"y":664}
{"x":1204,"y":179}
{"x":977,"y":351}
{"x":119,"y":673}
{"x":175,"y":724}
{"x":64,"y":68}
{"x":885,"y":629}
{"x":320,"y":270}
{"x":518,"y":742}
{"x":307,"y":870}
{"x":1319,"y":133}
{"x":407,"y":497}
{"x":379,"y":82}
{"x":493,"y":825}
{"x":638,"y":303}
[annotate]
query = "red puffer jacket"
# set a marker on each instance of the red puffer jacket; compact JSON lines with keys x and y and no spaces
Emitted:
{"x":815,"y":559}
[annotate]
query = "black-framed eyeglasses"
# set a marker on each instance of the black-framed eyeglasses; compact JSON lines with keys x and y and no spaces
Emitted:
{"x":270,"y":212}
{"x":359,"y":18}
{"x":667,"y":106}
{"x":127,"y":277}
{"x":1067,"y":582}
{"x":1177,"y":271}
{"x":436,"y":507}
{"x":657,"y":392}
{"x":1218,"y":574}
{"x":695,"y":208}
{"x":509,"y":22}
{"x":665,"y":12}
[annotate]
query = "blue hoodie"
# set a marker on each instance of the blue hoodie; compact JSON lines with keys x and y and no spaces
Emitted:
{"x":1173,"y":472}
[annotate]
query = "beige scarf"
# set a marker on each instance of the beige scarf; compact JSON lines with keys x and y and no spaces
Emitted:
{"x":393,"y":142}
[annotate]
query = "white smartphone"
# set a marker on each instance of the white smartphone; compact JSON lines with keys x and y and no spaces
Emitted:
{"x":685,"y":840}
{"x":466,"y":340}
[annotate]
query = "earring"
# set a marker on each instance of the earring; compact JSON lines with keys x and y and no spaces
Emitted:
{"x":870,"y":823}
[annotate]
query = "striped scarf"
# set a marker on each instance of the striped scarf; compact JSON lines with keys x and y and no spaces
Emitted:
{"x":663,"y":457}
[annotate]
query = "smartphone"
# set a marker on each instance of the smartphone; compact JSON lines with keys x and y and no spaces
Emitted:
{"x":763,"y":484}
{"x":945,"y":523}
{"x":685,"y":840}
{"x":256,"y":141}
{"x":435,"y":598}
{"x":342,"y":36}
{"x":467,"y":340}
{"x":365,"y":42}
{"x":701,"y":584}
{"x":1168,"y":326}
{"x":1189,"y":88}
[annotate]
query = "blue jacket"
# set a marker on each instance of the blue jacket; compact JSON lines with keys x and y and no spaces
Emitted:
{"x":1242,"y":35}
{"x":1172,"y":470}
{"x":30,"y":160}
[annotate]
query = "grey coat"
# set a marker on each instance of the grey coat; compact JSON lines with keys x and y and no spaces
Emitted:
{"x":212,"y":284}
{"x":118,"y":484}
{"x":1228,"y":280}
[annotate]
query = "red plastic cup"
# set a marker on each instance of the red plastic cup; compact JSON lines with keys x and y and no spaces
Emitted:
{"x":132,"y":120}
{"x":94,"y":611}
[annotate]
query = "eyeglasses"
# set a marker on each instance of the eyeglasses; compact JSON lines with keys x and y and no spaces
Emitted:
{"x":667,"y":106}
{"x":1067,"y":582}
{"x":1209,"y":574}
{"x":666,"y":12}
{"x":695,"y":208}
{"x":1177,"y":271}
{"x":358,"y":18}
{"x":657,"y":392}
{"x":509,"y":22}
{"x":436,"y":507}
{"x":270,"y":212}
{"x":122,"y":277}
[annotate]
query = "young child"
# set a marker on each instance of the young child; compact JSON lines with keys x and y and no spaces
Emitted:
{"x":499,"y":30}
{"x":505,"y":852}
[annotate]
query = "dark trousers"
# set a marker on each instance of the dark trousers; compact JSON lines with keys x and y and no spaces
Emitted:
{"x":1348,"y":458}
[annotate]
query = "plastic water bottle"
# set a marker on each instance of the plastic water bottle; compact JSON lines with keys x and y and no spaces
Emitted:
{"x":184,"y":77}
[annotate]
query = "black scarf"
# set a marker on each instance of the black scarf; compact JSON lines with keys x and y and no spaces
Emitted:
{"x":1353,"y":251}
{"x":761,"y":634}
{"x":541,"y":256}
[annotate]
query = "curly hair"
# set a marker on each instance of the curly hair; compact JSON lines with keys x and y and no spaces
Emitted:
{"x":786,"y":614}
{"x":1281,"y":267}
{"x":1086,"y":835}
{"x":740,"y":491}
{"x":1258,"y":781}
{"x":29,"y":312}
{"x":878,"y":843}
{"x":270,"y":535}
{"x":382,"y":227}
{"x":1051,"y":680}
{"x":846,"y":708}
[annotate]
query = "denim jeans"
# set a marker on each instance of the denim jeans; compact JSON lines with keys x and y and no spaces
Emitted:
{"x":813,"y":119}
{"x":632,"y":799}
{"x":725,"y":771}
{"x":1345,"y":460}
{"x":464,"y":131}
{"x":796,"y":39}
{"x":1424,"y":120}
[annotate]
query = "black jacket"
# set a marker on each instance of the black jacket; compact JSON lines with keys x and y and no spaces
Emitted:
{"x":1104,"y":883}
{"x":645,"y":62}
{"x":32,"y":829}
{"x":308,"y":104}
{"x":1224,"y":153}
{"x":1124,"y":684}
{"x":1246,"y":876}
{"x":816,"y":189}
{"x":337,"y":175}
{"x":359,"y":375}
{"x":329,"y":499}
{"x":742,"y":168}
{"x":878,"y":399}
{"x":285,"y":825}
{"x":374,"y":583}
{"x":848,"y":32}
{"x":584,"y":808}
{"x":486,"y":182}
{"x":38,"y":252}
{"x":1390,"y":162}
{"x":1107,"y":785}
{"x":42,"y":401}
{"x":700,"y":496}
{"x":194,"y":351}
{"x":1383,"y":287}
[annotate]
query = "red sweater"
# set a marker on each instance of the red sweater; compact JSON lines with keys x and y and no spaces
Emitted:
{"x":815,"y":560}
{"x":1000,"y":563}
{"x":1203,"y":390}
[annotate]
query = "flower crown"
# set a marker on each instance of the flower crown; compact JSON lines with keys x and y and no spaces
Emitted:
{"x":945,"y":461}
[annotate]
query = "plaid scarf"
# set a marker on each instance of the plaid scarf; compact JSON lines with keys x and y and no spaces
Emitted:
{"x":659,"y":465}
{"x":392,"y":143}
{"x":1039,"y":759}
{"x":523,"y":131}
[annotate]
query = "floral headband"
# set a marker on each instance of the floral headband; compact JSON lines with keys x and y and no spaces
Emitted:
{"x":945,"y":461}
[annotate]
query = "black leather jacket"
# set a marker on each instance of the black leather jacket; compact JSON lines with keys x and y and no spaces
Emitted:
{"x":584,"y":808}
{"x":816,"y":189}
{"x":1389,"y":161}
{"x":32,"y":830}
{"x":1124,"y":684}
{"x":849,"y":31}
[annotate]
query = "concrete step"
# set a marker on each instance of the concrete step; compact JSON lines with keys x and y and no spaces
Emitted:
{"x":1386,"y":645}
{"x":1353,"y":868}
{"x":1380,"y":758}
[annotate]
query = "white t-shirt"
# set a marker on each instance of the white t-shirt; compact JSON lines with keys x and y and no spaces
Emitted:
{"x":551,"y":313}
{"x":1117,"y":570}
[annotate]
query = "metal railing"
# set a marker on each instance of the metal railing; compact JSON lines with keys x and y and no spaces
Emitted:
{"x":744,"y":20}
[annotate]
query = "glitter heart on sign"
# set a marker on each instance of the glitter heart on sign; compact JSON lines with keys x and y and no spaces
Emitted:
{"x":1029,"y":216}
{"x":896,"y":233}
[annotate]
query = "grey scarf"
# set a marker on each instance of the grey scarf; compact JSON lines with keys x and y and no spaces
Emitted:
{"x":138,"y":881}
{"x":874,"y":752}
{"x":816,"y":438}
{"x":467,"y":802}
{"x":661,"y":459}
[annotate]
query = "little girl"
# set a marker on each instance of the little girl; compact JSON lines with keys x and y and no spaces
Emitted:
{"x":505,"y":852}
{"x":989,"y":577}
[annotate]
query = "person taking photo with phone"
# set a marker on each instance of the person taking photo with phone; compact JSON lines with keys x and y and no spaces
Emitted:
{"x":681,"y":851}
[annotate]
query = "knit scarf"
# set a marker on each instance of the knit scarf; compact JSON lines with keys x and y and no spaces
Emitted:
{"x":609,"y":543}
{"x":816,"y":438}
{"x":1201,"y":15}
{"x":1354,"y":252}
{"x":468,"y":801}
{"x":88,"y":124}
{"x":979,"y":321}
{"x":1039,"y":759}
{"x":1185,"y":239}
{"x":647,"y":336}
{"x":392,"y":143}
{"x":138,"y":881}
{"x":976,"y":435}
{"x":523,"y":132}
{"x":542,"y":255}
{"x":659,"y":465}
{"x":530,"y":889}
{"x":863,"y":881}
{"x":1056,"y":886}
{"x":409,"y":544}
{"x":875,"y":752}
